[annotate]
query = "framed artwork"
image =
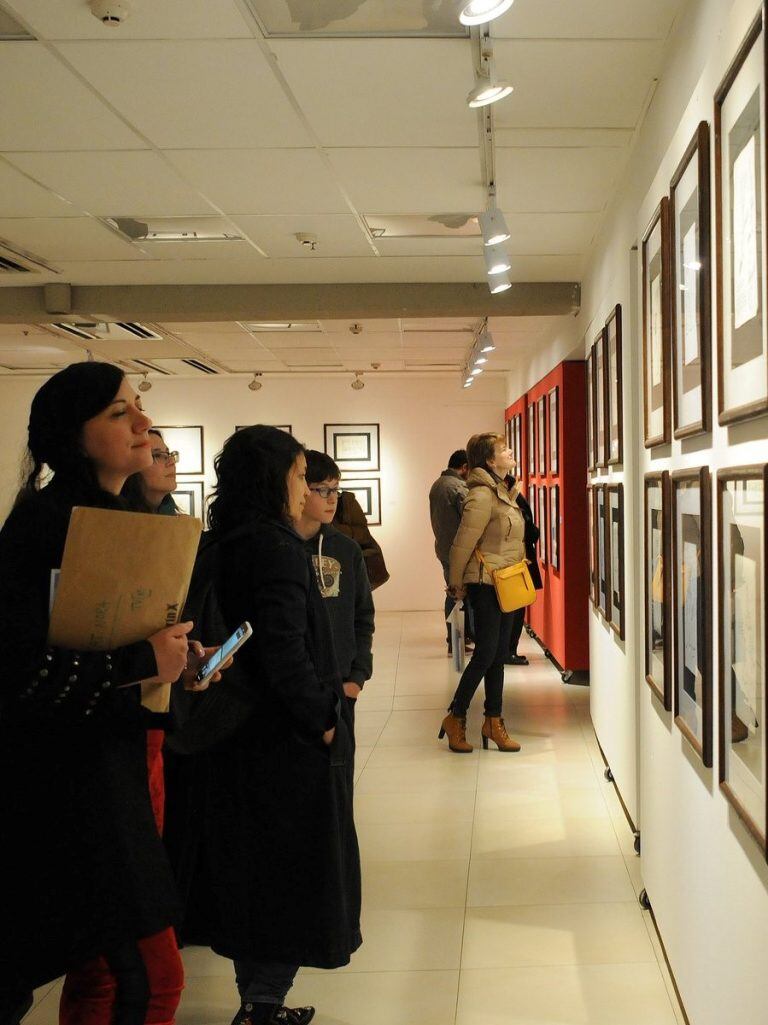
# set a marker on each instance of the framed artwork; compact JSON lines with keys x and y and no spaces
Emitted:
{"x":590,"y":374}
{"x":554,"y":526}
{"x":518,"y":436}
{"x":741,"y":538}
{"x":692,"y":600}
{"x":690,"y":288}
{"x":740,"y":211}
{"x":614,"y":400}
{"x":591,"y":501}
{"x":554,"y":432}
{"x":600,"y":393}
{"x":616,"y":550}
{"x":281,"y":427}
{"x":367,"y":490}
{"x":541,"y":429}
{"x":188,"y":442}
{"x":658,"y":586}
{"x":531,"y":440}
{"x":508,"y":433}
{"x":656,"y":287}
{"x":189,"y":498}
{"x":542,"y":524}
{"x":353,"y":447}
{"x":601,"y":543}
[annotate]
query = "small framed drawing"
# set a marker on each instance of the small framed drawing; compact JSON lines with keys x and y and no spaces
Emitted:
{"x":281,"y":427}
{"x":531,"y":440}
{"x":692,"y":600}
{"x":367,"y":491}
{"x":554,"y":526}
{"x":541,"y":432}
{"x":601,"y":541}
{"x":600,"y":391}
{"x":533,"y":503}
{"x":741,"y":537}
{"x":188,"y":442}
{"x":189,"y":498}
{"x":508,"y":434}
{"x":554,"y":432}
{"x":616,"y":549}
{"x":656,"y":286}
{"x":590,"y":375}
{"x":690,"y":288}
{"x":591,"y":499}
{"x":518,"y":439}
{"x":658,"y":586}
{"x":740,"y":211}
{"x":614,"y":400}
{"x":353,"y":447}
{"x":542,"y":524}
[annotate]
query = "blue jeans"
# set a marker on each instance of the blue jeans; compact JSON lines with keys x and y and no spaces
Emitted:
{"x":264,"y":982}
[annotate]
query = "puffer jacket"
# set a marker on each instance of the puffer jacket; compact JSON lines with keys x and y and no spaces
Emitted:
{"x":492,"y":521}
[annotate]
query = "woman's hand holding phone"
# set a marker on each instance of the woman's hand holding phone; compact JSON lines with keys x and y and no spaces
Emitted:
{"x":198,"y":655}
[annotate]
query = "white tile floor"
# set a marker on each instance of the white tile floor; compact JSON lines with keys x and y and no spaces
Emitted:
{"x":499,"y":889}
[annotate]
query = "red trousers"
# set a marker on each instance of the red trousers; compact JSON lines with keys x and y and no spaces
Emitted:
{"x":88,"y":997}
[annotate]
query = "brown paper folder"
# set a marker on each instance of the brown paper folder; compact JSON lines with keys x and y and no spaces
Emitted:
{"x":124,"y":576}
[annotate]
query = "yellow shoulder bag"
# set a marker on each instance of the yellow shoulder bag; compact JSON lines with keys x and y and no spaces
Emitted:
{"x":513,"y":584}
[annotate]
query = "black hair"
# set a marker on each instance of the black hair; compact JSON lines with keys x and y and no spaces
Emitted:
{"x":133,"y":490}
{"x":251,"y":477}
{"x":458,"y":459}
{"x":320,"y":467}
{"x":59,"y":409}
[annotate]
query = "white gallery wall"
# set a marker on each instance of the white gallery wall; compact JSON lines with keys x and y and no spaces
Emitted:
{"x":422,"y":420}
{"x":705,"y":875}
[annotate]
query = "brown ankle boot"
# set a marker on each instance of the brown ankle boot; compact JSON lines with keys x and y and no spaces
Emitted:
{"x":456,"y":728}
{"x":495,"y":730}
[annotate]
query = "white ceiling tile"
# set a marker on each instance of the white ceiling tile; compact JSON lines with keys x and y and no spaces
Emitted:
{"x":208,"y":328}
{"x":429,"y":246}
{"x":337,"y":235}
{"x":570,"y":83}
{"x":207,"y":19}
{"x":21,"y":331}
{"x":128,"y":184}
{"x":259,"y":362}
{"x":310,"y":357}
{"x":20,"y":197}
{"x":282,"y":341}
{"x":67,"y":238}
{"x":356,"y":92}
{"x":207,"y":250}
{"x":599,"y":19}
{"x":43,"y":106}
{"x":560,"y":138}
{"x":545,"y":180}
{"x":406,"y":181}
{"x":266,"y":181}
{"x":368,"y":326}
{"x":141,"y":349}
{"x":194,"y":94}
{"x":426,"y":324}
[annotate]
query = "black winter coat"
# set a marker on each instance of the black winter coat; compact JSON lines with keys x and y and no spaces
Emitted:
{"x":82,"y":867}
{"x":279,"y":837}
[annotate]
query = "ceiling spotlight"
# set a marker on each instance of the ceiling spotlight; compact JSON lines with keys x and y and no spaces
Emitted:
{"x":486,"y":342}
{"x":255,"y":384}
{"x":476,"y":371}
{"x":496,"y":260}
{"x":145,"y":385}
{"x":493,"y":226}
{"x":357,"y":384}
{"x":468,"y":382}
{"x":480,"y":360}
{"x":479,"y":12}
{"x":487,"y":91}
{"x":500,"y":283}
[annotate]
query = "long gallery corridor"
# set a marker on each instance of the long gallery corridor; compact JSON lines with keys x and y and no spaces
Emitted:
{"x":498,"y":889}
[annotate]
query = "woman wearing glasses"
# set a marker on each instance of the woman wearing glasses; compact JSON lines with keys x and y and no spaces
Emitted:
{"x":151,"y":490}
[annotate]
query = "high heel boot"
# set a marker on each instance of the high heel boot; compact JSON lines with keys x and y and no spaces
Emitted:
{"x":495,"y":730}
{"x":455,"y":726}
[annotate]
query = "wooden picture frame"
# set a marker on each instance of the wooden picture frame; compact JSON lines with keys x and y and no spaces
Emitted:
{"x":691,"y":329}
{"x":742,"y":533}
{"x":601,"y":420}
{"x":518,"y":435}
{"x":554,"y":526}
{"x":589,"y":367}
{"x":367,"y":491}
{"x":189,"y":443}
{"x":189,"y":497}
{"x":533,"y":503}
{"x":614,"y":385}
{"x":542,"y":525}
{"x":355,"y":448}
{"x":601,"y":544}
{"x":531,"y":416}
{"x":692,"y":603}
{"x":541,"y":435}
{"x":741,"y":225}
{"x":657,"y":550}
{"x":554,"y":431}
{"x":592,"y":521}
{"x":656,"y":328}
{"x":616,"y":559}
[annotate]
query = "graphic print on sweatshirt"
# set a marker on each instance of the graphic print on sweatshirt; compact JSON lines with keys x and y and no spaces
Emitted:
{"x":328,"y":573}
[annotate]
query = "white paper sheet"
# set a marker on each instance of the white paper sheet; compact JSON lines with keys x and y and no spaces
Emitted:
{"x":690,"y":298}
{"x":745,"y":298}
{"x":690,"y":626}
{"x":656,"y":332}
{"x":745,"y":663}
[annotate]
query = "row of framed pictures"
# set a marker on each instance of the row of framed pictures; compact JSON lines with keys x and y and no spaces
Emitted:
{"x":677,"y":266}
{"x":679,"y":621}
{"x":545,"y":505}
{"x":605,"y":416}
{"x":606,"y":553}
{"x":545,"y":410}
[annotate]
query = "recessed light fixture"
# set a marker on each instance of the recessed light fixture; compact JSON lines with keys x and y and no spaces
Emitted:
{"x":500,"y":283}
{"x":496,"y":260}
{"x":480,"y":12}
{"x":493,"y":226}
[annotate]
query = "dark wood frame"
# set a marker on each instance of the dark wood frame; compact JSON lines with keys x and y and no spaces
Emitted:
{"x":554,"y":526}
{"x":541,"y":435}
{"x":618,"y":628}
{"x":702,"y":477}
{"x":353,"y":469}
{"x":661,"y":215}
{"x":186,"y":427}
{"x":615,"y":319}
{"x":698,"y":148}
{"x":532,"y":497}
{"x":758,"y":406}
{"x":348,"y":483}
{"x":600,"y":345}
{"x":602,"y":489}
{"x":756,"y":472}
{"x":196,"y":489}
{"x":543,"y":500}
{"x":591,"y":526}
{"x":518,"y":432}
{"x":530,"y":412}
{"x":662,"y":479}
{"x":591,"y":439}
{"x":553,"y":403}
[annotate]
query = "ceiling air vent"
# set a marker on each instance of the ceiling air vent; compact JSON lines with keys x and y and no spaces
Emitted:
{"x":197,"y":364}
{"x":143,"y":366}
{"x":182,"y":366}
{"x":17,"y":261}
{"x":96,"y":331}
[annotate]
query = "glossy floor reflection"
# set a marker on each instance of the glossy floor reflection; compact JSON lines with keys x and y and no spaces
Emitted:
{"x":499,"y":889}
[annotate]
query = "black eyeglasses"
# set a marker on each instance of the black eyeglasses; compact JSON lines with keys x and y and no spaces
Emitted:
{"x":326,"y":492}
{"x":159,"y":456}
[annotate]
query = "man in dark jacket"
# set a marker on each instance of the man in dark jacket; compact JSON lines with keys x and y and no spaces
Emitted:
{"x":341,"y":575}
{"x":446,"y":502}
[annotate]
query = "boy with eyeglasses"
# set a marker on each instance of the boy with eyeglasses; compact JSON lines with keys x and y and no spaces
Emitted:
{"x":341,"y":574}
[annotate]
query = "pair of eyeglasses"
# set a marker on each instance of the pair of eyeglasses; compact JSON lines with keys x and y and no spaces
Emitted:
{"x":328,"y":492}
{"x":158,"y":456}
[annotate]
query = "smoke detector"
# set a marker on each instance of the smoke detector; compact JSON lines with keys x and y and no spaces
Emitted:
{"x":307,"y":241}
{"x":356,"y":329}
{"x":110,"y":12}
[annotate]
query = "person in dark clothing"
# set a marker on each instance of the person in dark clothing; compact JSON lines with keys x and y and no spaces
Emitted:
{"x":278,"y":830}
{"x":350,"y":520}
{"x":151,"y":490}
{"x":531,"y":538}
{"x":87,"y":888}
{"x":341,"y":574}
{"x":446,"y":503}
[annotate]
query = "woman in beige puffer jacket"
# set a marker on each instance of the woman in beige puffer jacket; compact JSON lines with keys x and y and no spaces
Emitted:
{"x":491,"y":521}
